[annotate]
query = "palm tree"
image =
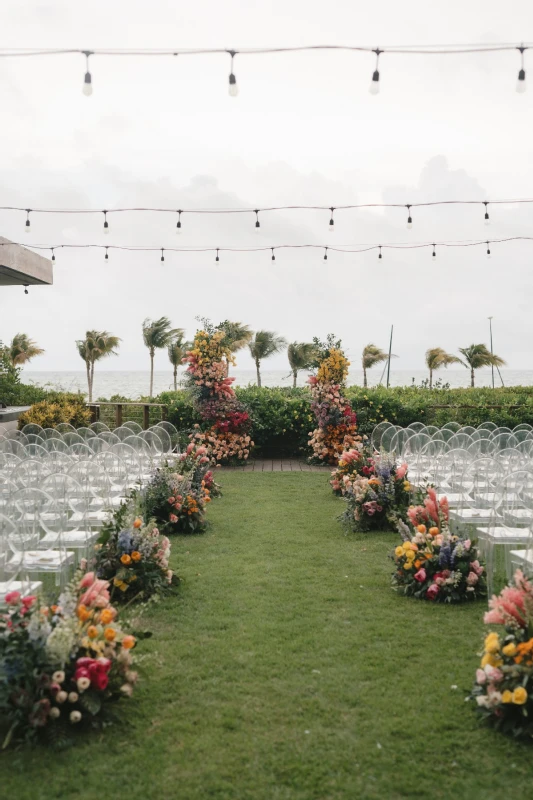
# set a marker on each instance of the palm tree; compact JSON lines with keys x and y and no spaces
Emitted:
{"x":263,"y":345}
{"x":301,"y":356}
{"x":157,"y":334}
{"x":237,"y":336}
{"x":177,"y":349}
{"x":22,"y":349}
{"x":436,"y":358}
{"x":372,"y":355}
{"x":96,"y":345}
{"x":477,"y":356}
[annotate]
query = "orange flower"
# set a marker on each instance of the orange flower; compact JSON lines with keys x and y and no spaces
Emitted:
{"x":107,"y":616}
{"x":92,"y":631}
{"x":128,"y":642}
{"x":138,"y":522}
{"x":125,"y":559}
{"x":136,"y":556}
{"x":421,"y":528}
{"x":110,"y":634}
{"x":434,"y":531}
{"x":54,"y":609}
{"x":418,"y":563}
{"x":83,"y":613}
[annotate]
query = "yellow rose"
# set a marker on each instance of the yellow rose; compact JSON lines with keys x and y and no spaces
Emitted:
{"x":491,"y":659}
{"x":399,"y":551}
{"x":492,"y":643}
{"x":406,"y":546}
{"x":507,"y":696}
{"x":519,"y":696}
{"x":509,"y":650}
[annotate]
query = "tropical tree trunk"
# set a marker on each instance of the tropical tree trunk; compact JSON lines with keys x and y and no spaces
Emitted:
{"x":430,"y":378}
{"x":92,"y":378}
{"x":294,"y":378}
{"x":89,"y":387}
{"x":175,"y":378}
{"x":472,"y":377}
{"x":152,"y":352}
{"x":257,"y":363}
{"x":364,"y":378}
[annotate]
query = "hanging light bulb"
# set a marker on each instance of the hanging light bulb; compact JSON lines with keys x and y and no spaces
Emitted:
{"x":178,"y":223}
{"x":106,"y":223}
{"x":106,"y":255}
{"x":162,"y":254}
{"x":257,"y":223}
{"x":325,"y":254}
{"x":434,"y":253}
{"x":273,"y":256}
{"x":409,"y":218}
{"x":374,"y":83}
{"x":233,"y":88}
{"x":487,"y":218}
{"x":53,"y":254}
{"x":27,"y":226}
{"x":88,"y":81}
{"x":217,"y":258}
{"x":488,"y":250}
{"x":332,"y":222}
{"x":380,"y":256}
{"x":26,"y":288}
{"x":521,"y":82}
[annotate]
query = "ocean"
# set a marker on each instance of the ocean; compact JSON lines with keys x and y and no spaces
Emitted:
{"x":134,"y":384}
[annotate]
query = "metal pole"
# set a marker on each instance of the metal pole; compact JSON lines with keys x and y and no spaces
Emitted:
{"x":491,"y":350}
{"x":390,"y":351}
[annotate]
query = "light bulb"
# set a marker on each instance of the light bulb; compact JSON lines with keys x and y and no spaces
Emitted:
{"x":521,"y":82}
{"x":233,"y":88}
{"x":486,"y":221}
{"x":88,"y":85}
{"x":488,"y":254}
{"x":257,"y":227}
{"x":374,"y":83}
{"x":27,"y":226}
{"x":178,"y":229}
{"x":106,"y":227}
{"x":409,"y":223}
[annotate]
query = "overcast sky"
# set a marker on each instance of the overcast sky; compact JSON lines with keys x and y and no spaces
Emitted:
{"x":303,"y":130}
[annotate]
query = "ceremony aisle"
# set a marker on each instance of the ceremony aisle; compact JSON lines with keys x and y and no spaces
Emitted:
{"x":287,"y":669}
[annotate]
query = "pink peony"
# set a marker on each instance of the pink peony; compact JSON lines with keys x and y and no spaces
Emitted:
{"x":476,"y":567}
{"x":472,"y":579}
{"x":420,"y":576}
{"x":432,"y":592}
{"x":493,"y":673}
{"x":173,"y":518}
{"x":97,"y":595}
{"x":87,"y":580}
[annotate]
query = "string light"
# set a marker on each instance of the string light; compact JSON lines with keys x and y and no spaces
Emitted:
{"x":88,"y":80}
{"x":53,"y":254}
{"x":521,"y":82}
{"x":273,"y":256}
{"x":409,"y":218}
{"x":332,"y":221}
{"x":374,"y":83}
{"x":488,"y":250}
{"x":178,"y":223}
{"x":106,"y":223}
{"x":434,"y":253}
{"x":380,"y":256}
{"x":233,"y":88}
{"x":217,"y":258}
{"x":162,"y":254}
{"x":325,"y":254}
{"x":26,"y":288}
{"x":257,"y":223}
{"x":487,"y":219}
{"x":27,"y":226}
{"x":106,"y":254}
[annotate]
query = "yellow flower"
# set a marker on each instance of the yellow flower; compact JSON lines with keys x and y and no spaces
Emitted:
{"x":492,"y":643}
{"x":399,"y":551}
{"x":507,"y":696}
{"x":489,"y":658}
{"x":509,"y":649}
{"x":407,"y":486}
{"x":519,"y":696}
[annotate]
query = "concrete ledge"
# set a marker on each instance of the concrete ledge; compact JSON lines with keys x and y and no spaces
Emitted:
{"x":20,"y":266}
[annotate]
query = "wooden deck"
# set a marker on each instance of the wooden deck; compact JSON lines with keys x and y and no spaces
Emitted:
{"x":278,"y":465}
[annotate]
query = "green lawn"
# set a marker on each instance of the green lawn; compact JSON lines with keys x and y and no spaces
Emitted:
{"x":287,"y":669}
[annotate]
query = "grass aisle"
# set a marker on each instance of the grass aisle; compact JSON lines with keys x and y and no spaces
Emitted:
{"x":287,"y":669}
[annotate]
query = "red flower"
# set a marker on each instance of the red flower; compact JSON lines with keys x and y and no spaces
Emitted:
{"x":432,"y":592}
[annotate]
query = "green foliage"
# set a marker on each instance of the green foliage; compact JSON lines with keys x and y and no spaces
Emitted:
{"x":69,"y":408}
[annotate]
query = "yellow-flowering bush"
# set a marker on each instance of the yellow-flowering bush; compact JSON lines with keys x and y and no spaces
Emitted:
{"x":49,"y":414}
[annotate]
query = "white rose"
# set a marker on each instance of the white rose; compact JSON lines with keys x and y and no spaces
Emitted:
{"x":54,"y":712}
{"x":73,"y":697}
{"x":82,"y":684}
{"x":59,"y":676}
{"x":75,"y":716}
{"x":61,"y":697}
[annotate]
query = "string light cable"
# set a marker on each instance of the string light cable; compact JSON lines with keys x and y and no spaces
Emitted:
{"x":347,"y":249}
{"x":391,"y":50}
{"x":256,"y":211}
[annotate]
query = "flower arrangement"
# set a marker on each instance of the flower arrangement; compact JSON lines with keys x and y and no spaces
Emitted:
{"x":195,"y":461}
{"x":227,"y":437}
{"x":177,"y":502}
{"x":433,"y":564}
{"x":64,"y":665}
{"x":336,"y":422}
{"x":378,"y":497}
{"x":360,"y":462}
{"x":133,"y":556}
{"x":503,"y":689}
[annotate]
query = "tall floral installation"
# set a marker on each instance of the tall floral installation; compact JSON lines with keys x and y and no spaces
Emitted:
{"x":432,"y":563}
{"x":503,"y":689}
{"x":335,"y":420}
{"x":226,"y":435}
{"x":62,"y":667}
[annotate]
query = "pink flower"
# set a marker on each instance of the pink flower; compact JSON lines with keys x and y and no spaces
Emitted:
{"x":173,"y":518}
{"x":12,"y":598}
{"x":97,"y":595}
{"x":401,"y":471}
{"x":190,"y":448}
{"x":507,"y":607}
{"x":481,"y":676}
{"x":476,"y":567}
{"x":493,"y":673}
{"x":27,"y":602}
{"x":87,"y":580}
{"x":171,"y":500}
{"x":432,"y":592}
{"x":472,"y":579}
{"x":420,"y":576}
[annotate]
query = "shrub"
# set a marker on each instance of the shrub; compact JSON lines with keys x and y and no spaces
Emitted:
{"x":48,"y":414}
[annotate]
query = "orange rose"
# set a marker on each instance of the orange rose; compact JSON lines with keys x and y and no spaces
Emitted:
{"x":136,"y":556}
{"x":107,"y":616}
{"x":138,"y":522}
{"x":125,"y":559}
{"x":128,"y":642}
{"x":110,"y":634}
{"x":92,"y":631}
{"x":421,"y":528}
{"x":83,"y":613}
{"x":418,"y":563}
{"x":434,"y":531}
